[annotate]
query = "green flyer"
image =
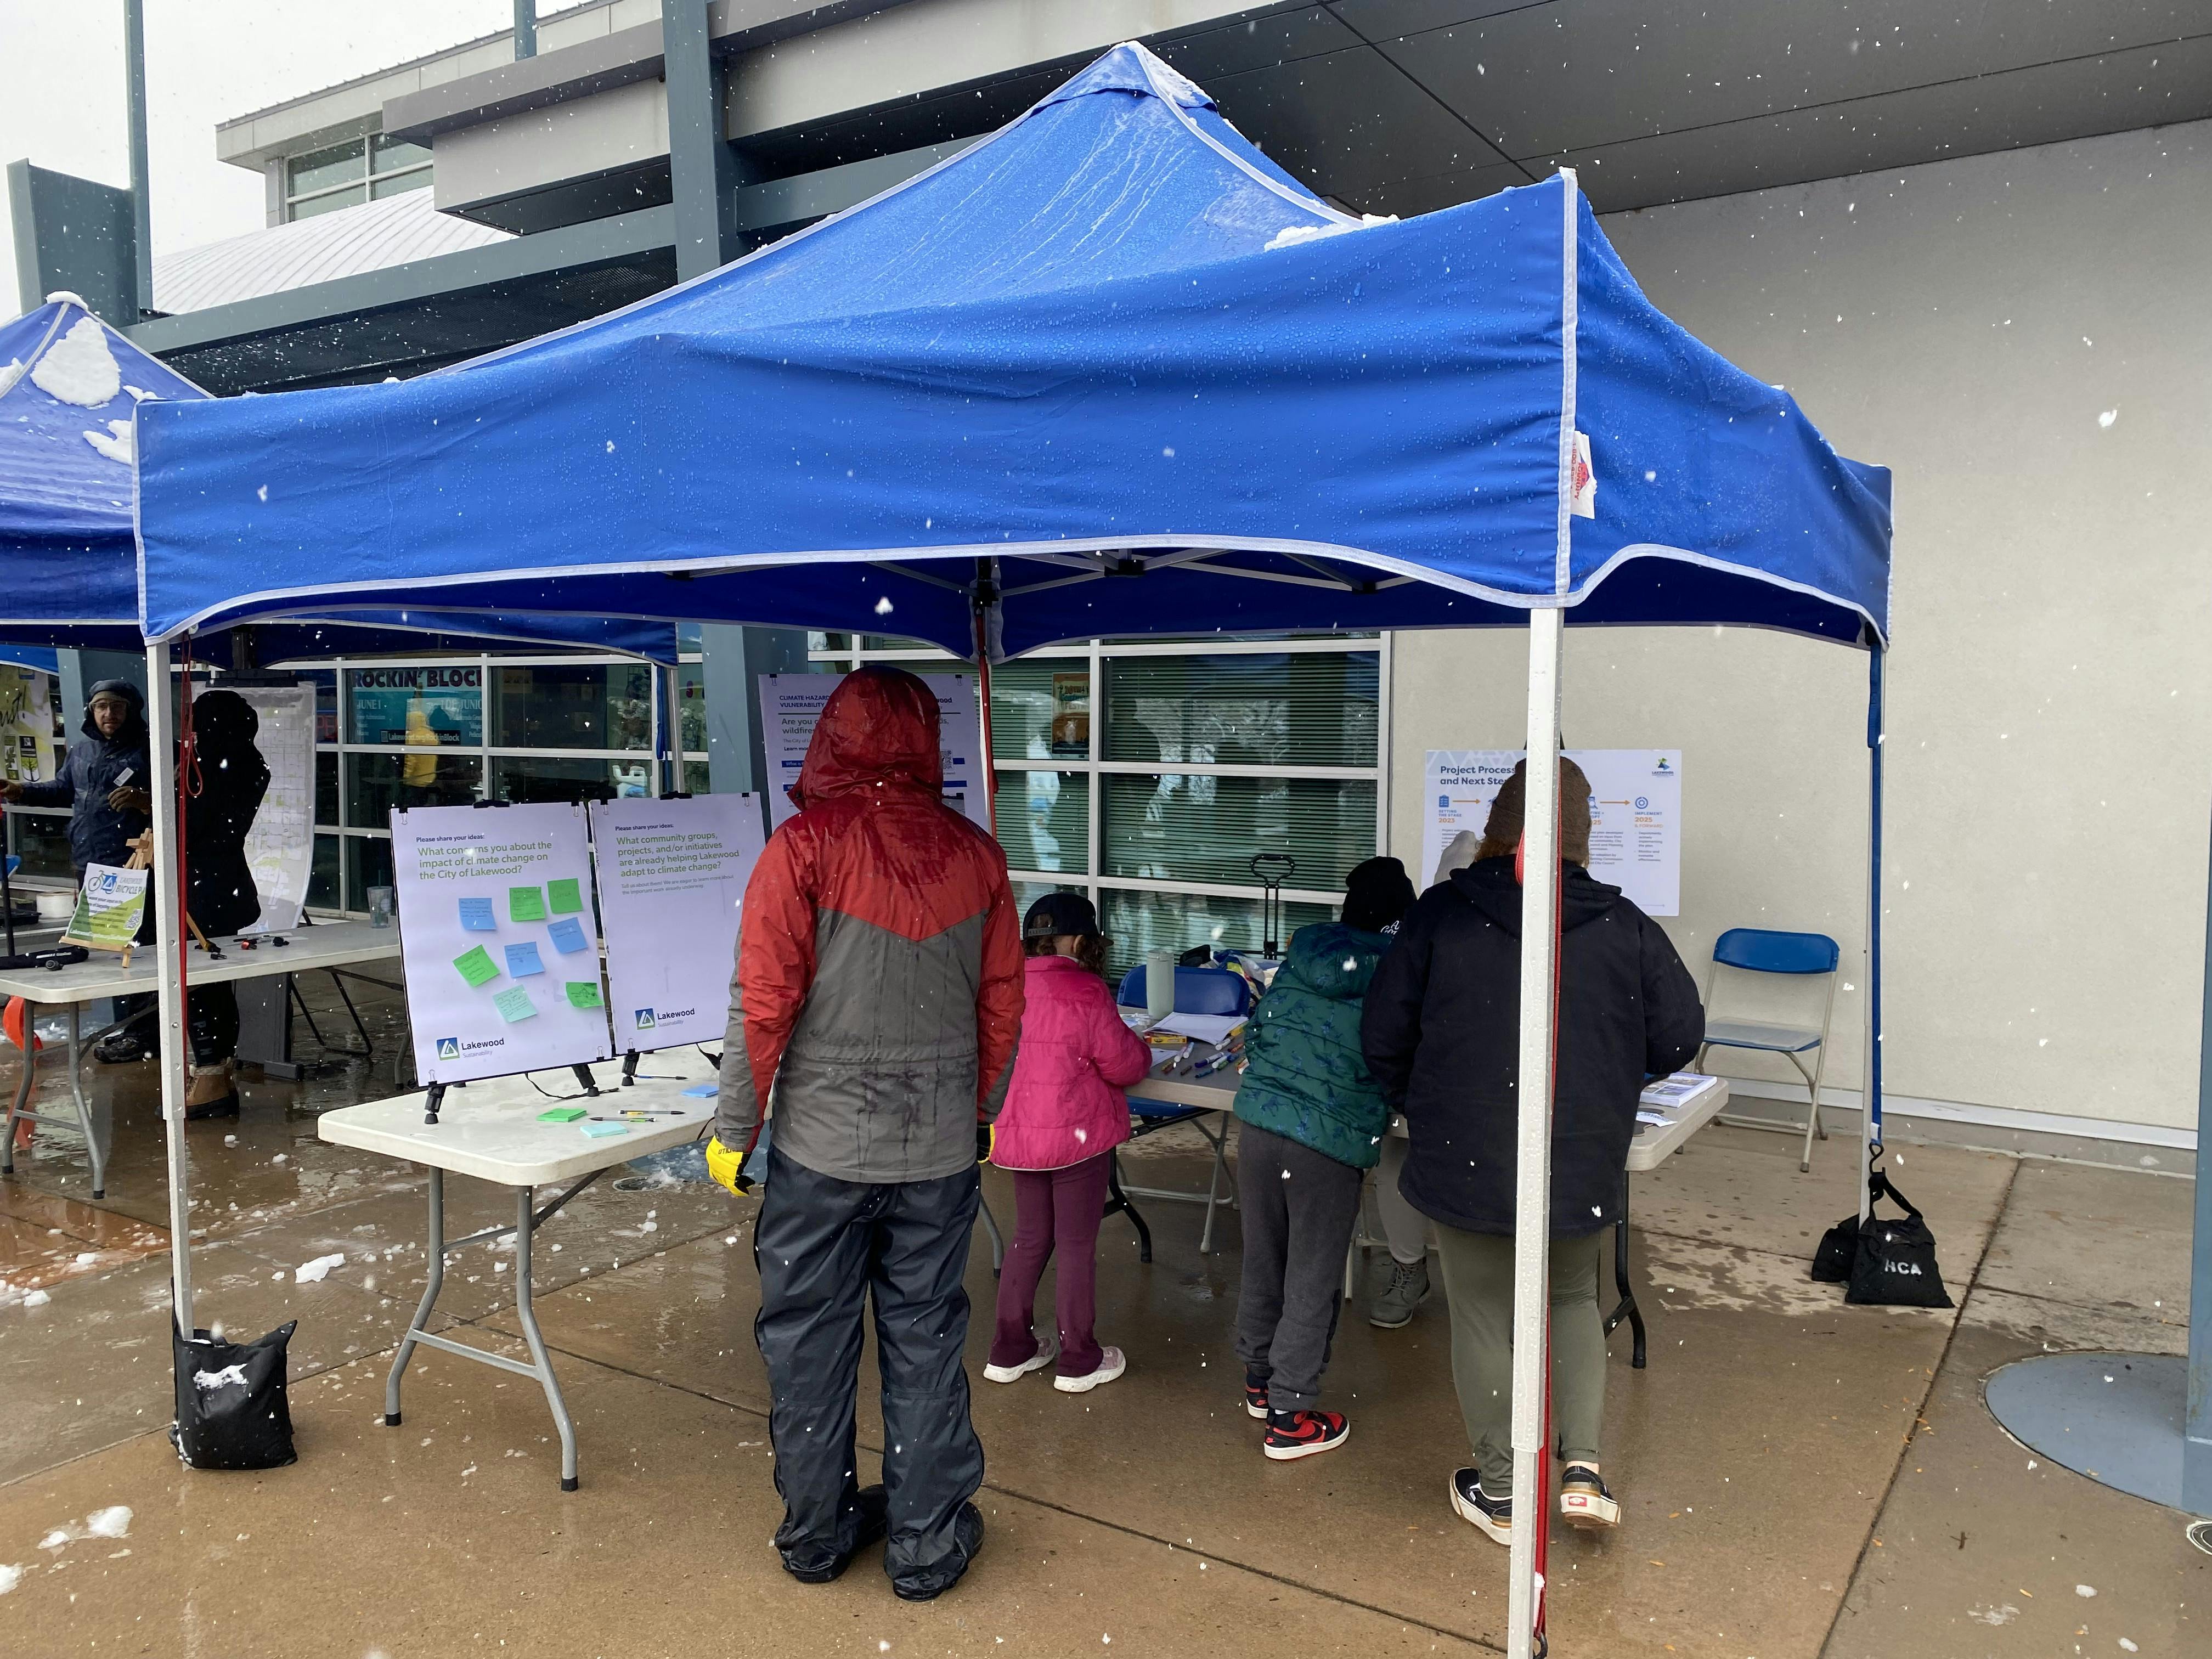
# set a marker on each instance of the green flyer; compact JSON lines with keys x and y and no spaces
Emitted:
{"x":477,"y":966}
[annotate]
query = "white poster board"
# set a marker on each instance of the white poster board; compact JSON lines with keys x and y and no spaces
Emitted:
{"x":791,"y":704}
{"x":497,"y":940}
{"x":280,"y":847}
{"x":1635,"y":814}
{"x":673,"y":877}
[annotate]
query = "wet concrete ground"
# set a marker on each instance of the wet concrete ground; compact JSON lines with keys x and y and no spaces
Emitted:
{"x":1798,"y":1477}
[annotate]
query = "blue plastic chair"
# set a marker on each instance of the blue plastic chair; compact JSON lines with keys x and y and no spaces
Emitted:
{"x":1197,"y":991}
{"x":1804,"y":955}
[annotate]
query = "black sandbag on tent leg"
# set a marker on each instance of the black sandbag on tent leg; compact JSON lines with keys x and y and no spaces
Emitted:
{"x":232,"y":1410}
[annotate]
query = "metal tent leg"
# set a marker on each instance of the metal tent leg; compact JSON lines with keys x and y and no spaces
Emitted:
{"x":991,"y":1227}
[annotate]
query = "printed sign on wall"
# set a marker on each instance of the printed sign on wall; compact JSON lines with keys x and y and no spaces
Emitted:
{"x":497,"y":940}
{"x":791,"y":704}
{"x":673,"y":877}
{"x":1635,"y":814}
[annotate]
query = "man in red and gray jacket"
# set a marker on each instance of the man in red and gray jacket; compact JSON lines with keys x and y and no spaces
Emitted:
{"x":878,"y":993}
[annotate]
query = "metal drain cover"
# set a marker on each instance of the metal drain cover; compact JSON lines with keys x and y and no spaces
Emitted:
{"x":2200,"y":1533}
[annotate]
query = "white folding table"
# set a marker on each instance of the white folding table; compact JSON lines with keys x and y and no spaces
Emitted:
{"x":492,"y":1130}
{"x":323,"y":946}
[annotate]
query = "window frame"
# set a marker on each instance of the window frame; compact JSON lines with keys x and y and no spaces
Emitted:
{"x":1095,"y":656}
{"x":365,"y":181}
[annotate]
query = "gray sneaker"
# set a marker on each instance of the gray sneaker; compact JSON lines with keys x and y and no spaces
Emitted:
{"x":1408,"y":1288}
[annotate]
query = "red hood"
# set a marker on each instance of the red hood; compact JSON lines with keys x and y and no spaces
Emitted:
{"x":878,"y":730}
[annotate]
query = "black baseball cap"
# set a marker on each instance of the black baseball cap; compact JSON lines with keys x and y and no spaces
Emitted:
{"x":1060,"y":913}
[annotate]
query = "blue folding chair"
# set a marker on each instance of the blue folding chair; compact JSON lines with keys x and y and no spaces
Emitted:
{"x":1758,"y":951}
{"x":1197,"y":991}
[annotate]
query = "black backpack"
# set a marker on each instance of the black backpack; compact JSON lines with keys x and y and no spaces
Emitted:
{"x":1883,"y":1263}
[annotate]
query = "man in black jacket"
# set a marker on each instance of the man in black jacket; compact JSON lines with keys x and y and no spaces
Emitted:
{"x":103,"y":779}
{"x":1441,"y":1033}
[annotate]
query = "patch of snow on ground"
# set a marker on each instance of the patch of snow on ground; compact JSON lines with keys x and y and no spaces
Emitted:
{"x":313,"y":1272}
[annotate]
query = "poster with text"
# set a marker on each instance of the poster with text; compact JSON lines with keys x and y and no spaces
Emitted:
{"x":110,"y":906}
{"x":279,"y":848}
{"x":1635,"y":814}
{"x":27,"y":725}
{"x":673,"y":877}
{"x":496,"y":936}
{"x":790,"y":705}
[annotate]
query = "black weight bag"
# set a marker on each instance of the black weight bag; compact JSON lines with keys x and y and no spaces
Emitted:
{"x":1883,"y":1263}
{"x":231,"y":1413}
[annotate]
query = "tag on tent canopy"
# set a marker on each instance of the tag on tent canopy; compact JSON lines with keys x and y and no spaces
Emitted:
{"x":565,"y":895}
{"x":526,"y":904}
{"x":477,"y":966}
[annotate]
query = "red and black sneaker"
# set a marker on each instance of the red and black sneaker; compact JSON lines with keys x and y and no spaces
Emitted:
{"x":1256,"y":1396}
{"x":1301,"y":1434}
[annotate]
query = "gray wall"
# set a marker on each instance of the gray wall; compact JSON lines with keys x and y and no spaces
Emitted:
{"x":1966,"y":324}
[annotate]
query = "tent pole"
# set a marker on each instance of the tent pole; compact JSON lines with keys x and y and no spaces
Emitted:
{"x":1871,"y":1076}
{"x":672,"y":729}
{"x":168,"y":905}
{"x":1532,"y":1192}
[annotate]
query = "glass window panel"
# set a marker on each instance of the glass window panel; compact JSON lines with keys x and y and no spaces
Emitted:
{"x":399,"y":184}
{"x":1044,"y":819}
{"x":40,"y":839}
{"x":388,"y":153}
{"x":538,"y":778}
{"x":587,"y":706}
{"x":432,"y":705}
{"x":691,"y":708}
{"x":1137,"y":922}
{"x":697,"y":780}
{"x":335,"y":165}
{"x":324,"y":878}
{"x":1027,"y":893}
{"x":330,"y":203}
{"x":375,"y":784}
{"x":1288,"y":708}
{"x":326,"y":788}
{"x":369,"y":864}
{"x":1181,"y":828}
{"x":326,"y":703}
{"x":1041,"y":709}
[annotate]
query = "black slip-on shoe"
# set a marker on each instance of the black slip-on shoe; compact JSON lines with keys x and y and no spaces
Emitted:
{"x":873,"y":1505}
{"x":967,"y":1543}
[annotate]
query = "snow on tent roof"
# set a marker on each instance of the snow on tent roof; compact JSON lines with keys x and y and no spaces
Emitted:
{"x":1081,"y":367}
{"x":69,"y":387}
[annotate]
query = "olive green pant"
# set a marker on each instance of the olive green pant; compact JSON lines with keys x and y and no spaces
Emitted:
{"x":1478,"y":1272}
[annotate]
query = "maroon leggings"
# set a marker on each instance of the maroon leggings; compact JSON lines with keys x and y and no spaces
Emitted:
{"x":1054,"y":1210}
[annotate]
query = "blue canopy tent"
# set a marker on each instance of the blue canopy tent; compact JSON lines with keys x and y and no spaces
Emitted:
{"x":1109,"y":372}
{"x":43,"y":658}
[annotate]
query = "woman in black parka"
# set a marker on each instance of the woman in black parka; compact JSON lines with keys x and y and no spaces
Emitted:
{"x":1441,"y":1033}
{"x":222,"y":792}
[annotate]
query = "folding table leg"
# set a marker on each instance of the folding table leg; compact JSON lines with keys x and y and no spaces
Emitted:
{"x":526,"y":1225}
{"x":437,"y":1263}
{"x":1117,"y":1200}
{"x":1626,"y":1308}
{"x":1215,"y":1179}
{"x":92,"y":1149}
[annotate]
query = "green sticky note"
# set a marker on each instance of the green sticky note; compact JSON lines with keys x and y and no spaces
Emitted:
{"x":562,"y":1114}
{"x":477,"y":966}
{"x":585,"y":994}
{"x":513,"y":1004}
{"x":526,"y":904}
{"x":566,"y":896}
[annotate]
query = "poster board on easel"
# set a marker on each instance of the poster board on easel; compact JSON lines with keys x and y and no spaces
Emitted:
{"x":497,"y":940}
{"x":110,"y":906}
{"x":1635,"y":814}
{"x":672,"y":875}
{"x":791,"y":706}
{"x":280,"y":847}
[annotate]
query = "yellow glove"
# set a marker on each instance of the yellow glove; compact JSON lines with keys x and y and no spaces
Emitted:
{"x":726,"y":1167}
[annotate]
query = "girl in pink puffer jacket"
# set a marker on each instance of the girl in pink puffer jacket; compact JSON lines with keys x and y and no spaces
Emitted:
{"x":1065,"y":1113}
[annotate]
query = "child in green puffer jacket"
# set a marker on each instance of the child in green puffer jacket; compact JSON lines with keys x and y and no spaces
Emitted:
{"x":1312,"y":1123}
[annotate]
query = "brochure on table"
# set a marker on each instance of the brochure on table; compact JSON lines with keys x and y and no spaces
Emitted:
{"x":280,"y":847}
{"x":497,"y":940}
{"x":110,"y":906}
{"x":673,"y":877}
{"x":791,"y":704}
{"x":1635,"y":814}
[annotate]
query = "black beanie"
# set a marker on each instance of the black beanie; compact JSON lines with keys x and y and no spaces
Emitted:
{"x":1377,"y":896}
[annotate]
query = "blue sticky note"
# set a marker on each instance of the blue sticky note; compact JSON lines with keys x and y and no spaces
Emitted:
{"x":522,"y":959}
{"x":476,"y":916}
{"x":703,"y":1091}
{"x":568,"y":935}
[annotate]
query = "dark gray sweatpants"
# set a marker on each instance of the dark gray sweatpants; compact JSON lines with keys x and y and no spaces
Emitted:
{"x":824,"y":1247}
{"x":1297,"y":1209}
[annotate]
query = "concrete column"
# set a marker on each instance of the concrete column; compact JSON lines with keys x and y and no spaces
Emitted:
{"x":2196,"y":1420}
{"x":702,"y":169}
{"x":730,"y":659}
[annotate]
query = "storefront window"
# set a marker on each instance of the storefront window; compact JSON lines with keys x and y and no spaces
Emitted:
{"x":533,"y":778}
{"x":1205,"y":829}
{"x":326,"y":788}
{"x":589,"y":705}
{"x":431,"y":705}
{"x":1044,"y":819}
{"x":1041,"y":710}
{"x":369,"y":865}
{"x":1135,"y":923}
{"x":691,"y":708}
{"x":1293,"y":708}
{"x":41,"y":840}
{"x":376,"y":784}
{"x":323,"y":875}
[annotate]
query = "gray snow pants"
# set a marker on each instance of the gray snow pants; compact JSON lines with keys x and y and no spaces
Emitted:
{"x":823,"y":1246}
{"x":1297,"y":1209}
